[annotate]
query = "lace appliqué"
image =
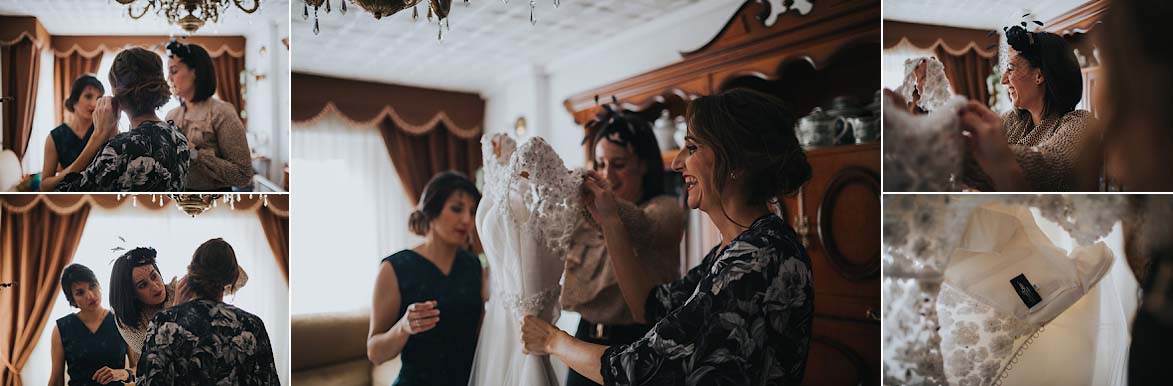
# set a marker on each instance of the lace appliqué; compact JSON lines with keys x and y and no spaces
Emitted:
{"x":533,"y":304}
{"x":936,"y":90}
{"x":550,"y":192}
{"x":978,"y":343}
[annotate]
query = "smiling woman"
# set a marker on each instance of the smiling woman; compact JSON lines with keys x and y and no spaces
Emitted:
{"x":1044,"y":143}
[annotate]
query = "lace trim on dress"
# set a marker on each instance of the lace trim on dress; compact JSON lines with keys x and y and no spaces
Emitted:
{"x":533,"y":304}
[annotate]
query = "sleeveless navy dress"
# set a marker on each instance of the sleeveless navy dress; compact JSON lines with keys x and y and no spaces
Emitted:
{"x":442,"y":355}
{"x":68,"y":145}
{"x":86,"y":352}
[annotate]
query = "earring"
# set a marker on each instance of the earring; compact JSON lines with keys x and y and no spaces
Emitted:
{"x":733,"y":175}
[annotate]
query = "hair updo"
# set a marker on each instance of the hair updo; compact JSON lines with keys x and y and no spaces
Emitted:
{"x":213,"y":267}
{"x":1052,"y":55}
{"x":753,"y":133}
{"x":137,"y":81}
{"x":79,"y":86}
{"x":435,"y":194}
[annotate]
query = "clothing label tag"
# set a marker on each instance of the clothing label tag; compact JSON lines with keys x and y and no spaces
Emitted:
{"x":1025,"y":290}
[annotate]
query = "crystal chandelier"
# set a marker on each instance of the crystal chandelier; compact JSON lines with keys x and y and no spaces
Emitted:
{"x":195,"y":204}
{"x":188,"y":14}
{"x":381,"y":8}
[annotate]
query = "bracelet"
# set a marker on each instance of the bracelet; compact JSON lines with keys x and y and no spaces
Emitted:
{"x":129,"y":376}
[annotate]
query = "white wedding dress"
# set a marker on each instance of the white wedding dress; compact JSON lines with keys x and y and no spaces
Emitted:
{"x":923,"y":152}
{"x":530,"y":206}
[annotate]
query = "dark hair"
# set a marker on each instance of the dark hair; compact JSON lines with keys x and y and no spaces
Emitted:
{"x":122,"y":295}
{"x":1055,"y":58}
{"x":213,"y":266}
{"x":137,"y":81}
{"x":435,"y":193}
{"x":196,"y":57}
{"x":753,"y":133}
{"x":73,"y":274}
{"x":625,"y":129}
{"x":79,"y":86}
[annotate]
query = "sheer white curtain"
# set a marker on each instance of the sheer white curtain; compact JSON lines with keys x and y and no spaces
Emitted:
{"x":43,"y":120}
{"x":175,"y":236}
{"x":34,"y":155}
{"x":1090,"y":340}
{"x":893,"y":58}
{"x":351,"y":209}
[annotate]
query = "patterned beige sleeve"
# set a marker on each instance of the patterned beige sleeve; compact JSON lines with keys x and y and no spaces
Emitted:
{"x":1050,"y":166}
{"x":231,"y":162}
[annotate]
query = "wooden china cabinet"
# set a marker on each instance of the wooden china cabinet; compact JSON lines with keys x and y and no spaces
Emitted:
{"x":806,"y":60}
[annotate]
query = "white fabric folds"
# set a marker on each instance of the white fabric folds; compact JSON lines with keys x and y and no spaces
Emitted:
{"x":1004,"y":282}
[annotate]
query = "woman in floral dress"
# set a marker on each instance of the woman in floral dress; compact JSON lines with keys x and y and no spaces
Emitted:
{"x":743,"y":316}
{"x":152,"y":157}
{"x":206,"y":341}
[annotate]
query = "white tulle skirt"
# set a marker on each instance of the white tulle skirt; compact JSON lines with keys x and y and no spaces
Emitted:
{"x":499,"y":360}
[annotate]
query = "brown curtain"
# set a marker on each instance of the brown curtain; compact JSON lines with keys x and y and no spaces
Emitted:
{"x":37,"y":244}
{"x":967,"y":73}
{"x":276,"y":229}
{"x":22,"y":65}
{"x":418,"y":157}
{"x":228,"y":69}
{"x":66,"y":69}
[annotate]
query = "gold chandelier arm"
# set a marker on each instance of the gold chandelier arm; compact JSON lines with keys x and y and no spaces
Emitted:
{"x":130,"y":10}
{"x":256,"y":4}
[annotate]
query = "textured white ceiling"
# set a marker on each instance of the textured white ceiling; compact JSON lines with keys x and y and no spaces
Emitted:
{"x":106,"y":17}
{"x":978,"y":14}
{"x":488,"y":39}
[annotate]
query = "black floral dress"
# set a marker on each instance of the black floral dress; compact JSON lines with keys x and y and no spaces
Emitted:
{"x":206,"y":342}
{"x":741,"y":317}
{"x":152,"y":157}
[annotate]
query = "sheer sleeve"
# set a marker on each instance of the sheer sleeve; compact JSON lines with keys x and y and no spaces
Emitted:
{"x":672,"y":295}
{"x":102,"y":172}
{"x":156,"y":363}
{"x":729,"y":330}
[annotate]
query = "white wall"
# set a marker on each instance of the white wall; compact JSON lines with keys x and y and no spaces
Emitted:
{"x":268,"y":99}
{"x":537,"y":93}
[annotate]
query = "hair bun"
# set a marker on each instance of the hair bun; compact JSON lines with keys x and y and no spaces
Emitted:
{"x":792,"y":173}
{"x":418,"y":223}
{"x":213,"y":267}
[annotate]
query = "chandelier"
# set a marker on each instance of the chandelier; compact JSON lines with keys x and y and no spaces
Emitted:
{"x":193,"y":204}
{"x":188,"y":14}
{"x":381,"y":8}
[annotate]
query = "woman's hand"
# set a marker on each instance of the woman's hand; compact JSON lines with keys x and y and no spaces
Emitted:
{"x":598,"y":198}
{"x":105,"y":119}
{"x":420,"y":317}
{"x":106,"y":375}
{"x":986,"y":140}
{"x":539,"y":337}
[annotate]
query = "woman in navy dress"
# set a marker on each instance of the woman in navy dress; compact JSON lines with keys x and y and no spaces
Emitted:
{"x":429,"y":300}
{"x":87,"y":341}
{"x":66,"y":142}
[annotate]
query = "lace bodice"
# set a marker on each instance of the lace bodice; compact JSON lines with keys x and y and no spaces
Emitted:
{"x":920,"y":234}
{"x":525,"y":219}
